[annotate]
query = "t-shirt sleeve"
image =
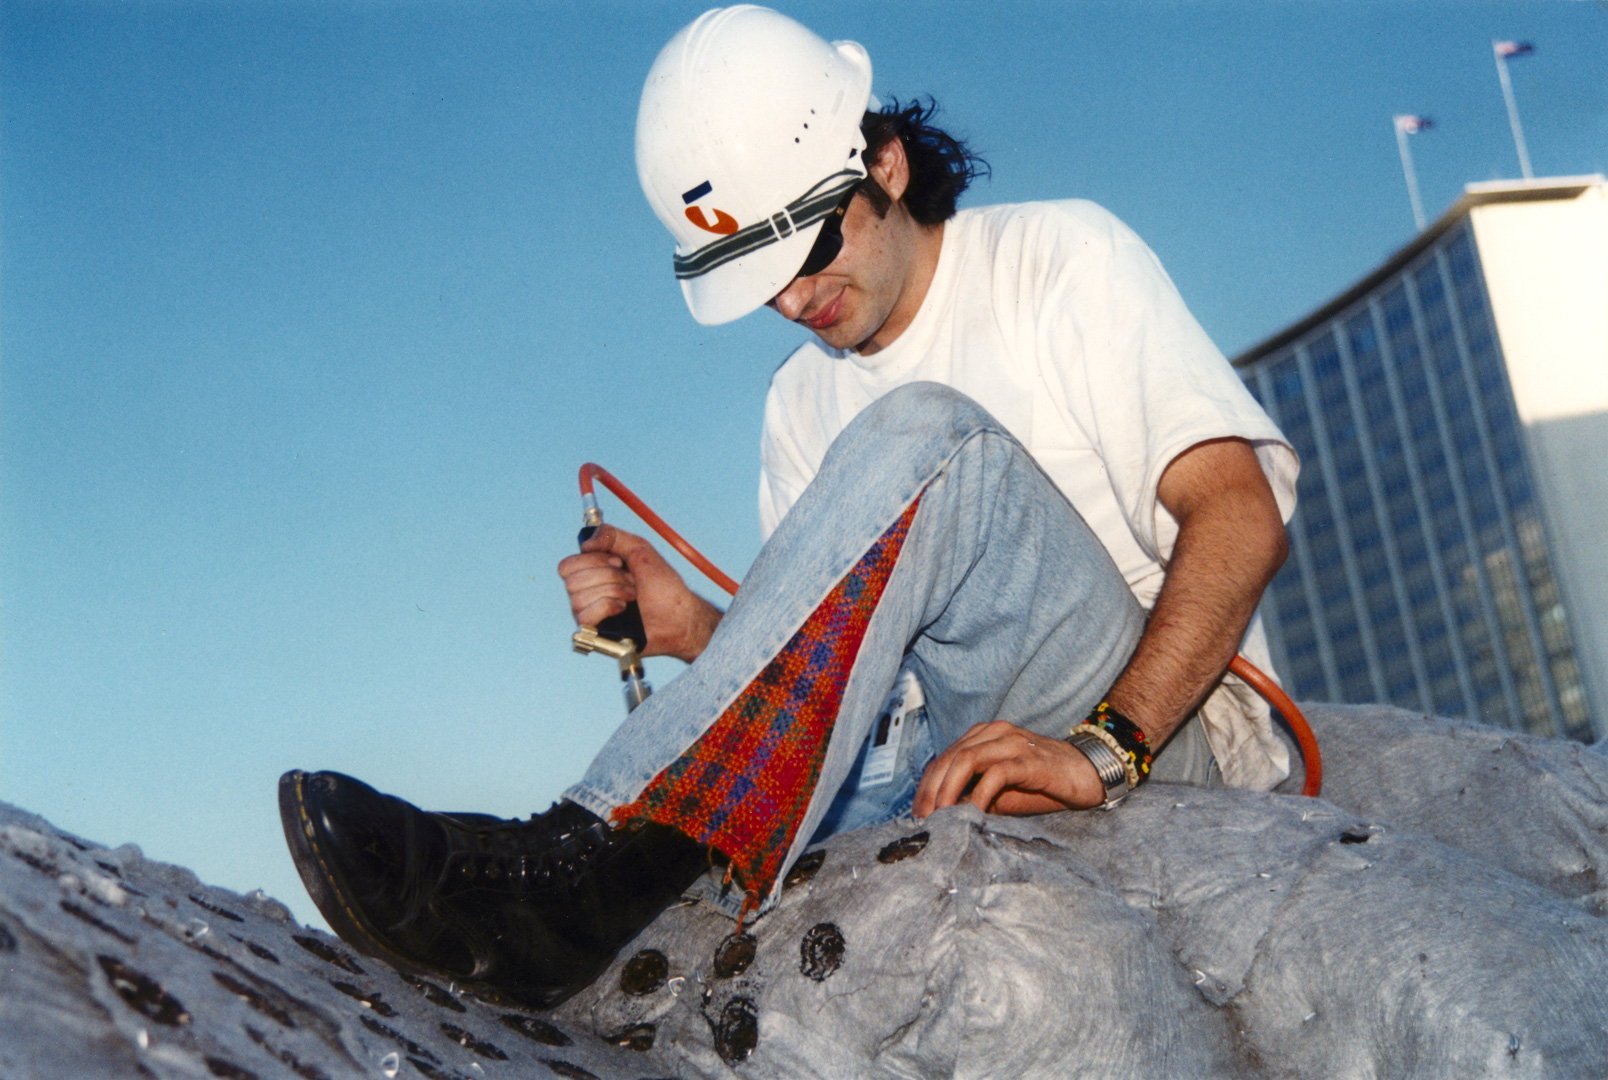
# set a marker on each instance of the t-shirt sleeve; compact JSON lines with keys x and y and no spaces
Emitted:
{"x":1136,"y":371}
{"x":784,"y":467}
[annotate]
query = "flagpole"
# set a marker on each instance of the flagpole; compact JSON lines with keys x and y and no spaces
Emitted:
{"x":1513,"y":110}
{"x":1409,"y":172}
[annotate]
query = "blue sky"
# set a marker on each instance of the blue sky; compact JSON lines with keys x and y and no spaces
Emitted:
{"x":310,"y":311}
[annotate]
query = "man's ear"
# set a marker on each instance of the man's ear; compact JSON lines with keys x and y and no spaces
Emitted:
{"x":892,"y":169}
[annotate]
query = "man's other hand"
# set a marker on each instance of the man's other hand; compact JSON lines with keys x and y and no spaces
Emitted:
{"x":1016,"y":771}
{"x":614,"y":568}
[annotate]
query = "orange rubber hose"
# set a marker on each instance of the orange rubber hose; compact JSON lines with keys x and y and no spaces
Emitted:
{"x":1276,"y":697}
{"x":656,"y":523}
{"x":1254,"y":676}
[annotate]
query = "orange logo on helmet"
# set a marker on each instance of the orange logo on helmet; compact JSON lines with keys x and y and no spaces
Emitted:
{"x":724,"y":224}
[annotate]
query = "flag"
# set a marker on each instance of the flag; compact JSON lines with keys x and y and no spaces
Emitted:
{"x":1412,"y":125}
{"x":1509,"y":49}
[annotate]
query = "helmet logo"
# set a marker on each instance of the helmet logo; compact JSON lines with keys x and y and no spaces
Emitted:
{"x":723,"y":225}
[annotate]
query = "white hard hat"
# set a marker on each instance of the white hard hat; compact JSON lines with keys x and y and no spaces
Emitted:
{"x":747,"y":138}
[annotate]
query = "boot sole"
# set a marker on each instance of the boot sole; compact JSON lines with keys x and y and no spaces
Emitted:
{"x":324,"y":883}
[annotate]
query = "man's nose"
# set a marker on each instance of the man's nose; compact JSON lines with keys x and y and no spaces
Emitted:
{"x":792,"y":300}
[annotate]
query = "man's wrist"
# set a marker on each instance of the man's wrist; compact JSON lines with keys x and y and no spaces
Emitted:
{"x":702,"y":621}
{"x":1111,"y":771}
{"x":1127,"y":738}
{"x":1117,"y":748}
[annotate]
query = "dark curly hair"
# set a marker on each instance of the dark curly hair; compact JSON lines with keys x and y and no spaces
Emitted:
{"x":941,"y":166}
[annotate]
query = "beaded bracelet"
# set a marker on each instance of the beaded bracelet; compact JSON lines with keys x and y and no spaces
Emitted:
{"x":1125,"y":736}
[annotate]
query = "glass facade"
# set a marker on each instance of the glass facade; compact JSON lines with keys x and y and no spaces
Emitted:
{"x":1419,"y":572}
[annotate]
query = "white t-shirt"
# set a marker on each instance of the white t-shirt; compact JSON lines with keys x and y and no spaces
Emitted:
{"x":1060,"y":322}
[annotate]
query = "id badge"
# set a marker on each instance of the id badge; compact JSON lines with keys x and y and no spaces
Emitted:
{"x":903,"y":706}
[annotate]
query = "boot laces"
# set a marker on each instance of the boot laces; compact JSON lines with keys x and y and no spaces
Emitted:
{"x":546,"y":850}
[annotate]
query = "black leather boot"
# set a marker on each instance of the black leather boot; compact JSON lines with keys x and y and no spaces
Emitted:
{"x":535,"y":909}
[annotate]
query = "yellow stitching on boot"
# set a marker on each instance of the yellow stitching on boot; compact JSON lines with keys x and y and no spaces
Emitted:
{"x":329,"y":878}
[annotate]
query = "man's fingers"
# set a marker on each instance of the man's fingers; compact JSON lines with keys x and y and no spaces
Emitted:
{"x":591,"y":578}
{"x":949,"y":774}
{"x":930,"y":794}
{"x":1011,"y":772}
{"x":1001,"y":768}
{"x":988,"y":768}
{"x":595,"y":612}
{"x":590,"y":585}
{"x":944,"y":774}
{"x":587,"y":576}
{"x":597,"y":590}
{"x":611,"y":596}
{"x":588,"y":560}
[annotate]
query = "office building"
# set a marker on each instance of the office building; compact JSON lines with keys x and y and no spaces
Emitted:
{"x":1450,"y":548}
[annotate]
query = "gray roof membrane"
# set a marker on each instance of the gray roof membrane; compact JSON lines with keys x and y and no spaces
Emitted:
{"x":1439,"y":913}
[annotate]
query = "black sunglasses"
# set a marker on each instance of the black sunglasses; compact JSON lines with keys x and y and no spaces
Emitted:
{"x":829,"y":241}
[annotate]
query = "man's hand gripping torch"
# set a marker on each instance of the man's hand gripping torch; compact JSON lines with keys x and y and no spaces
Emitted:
{"x":621,"y":636}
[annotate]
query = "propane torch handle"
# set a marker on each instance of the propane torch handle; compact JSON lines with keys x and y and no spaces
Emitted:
{"x":627,"y":625}
{"x":621,"y":636}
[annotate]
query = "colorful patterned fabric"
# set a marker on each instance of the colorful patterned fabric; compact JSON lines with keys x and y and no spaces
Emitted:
{"x":744,"y":786}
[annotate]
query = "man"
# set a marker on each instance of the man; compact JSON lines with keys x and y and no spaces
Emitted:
{"x":1011,"y":440}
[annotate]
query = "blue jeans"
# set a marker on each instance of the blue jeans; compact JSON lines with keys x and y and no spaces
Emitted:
{"x":1003,"y":602}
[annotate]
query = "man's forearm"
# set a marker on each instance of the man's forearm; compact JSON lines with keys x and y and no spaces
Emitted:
{"x":1231,"y":542}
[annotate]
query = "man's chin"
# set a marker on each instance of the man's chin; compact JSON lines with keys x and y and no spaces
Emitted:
{"x":840,"y":335}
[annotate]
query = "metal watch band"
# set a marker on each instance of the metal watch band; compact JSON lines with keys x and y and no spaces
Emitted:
{"x":1106,"y":764}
